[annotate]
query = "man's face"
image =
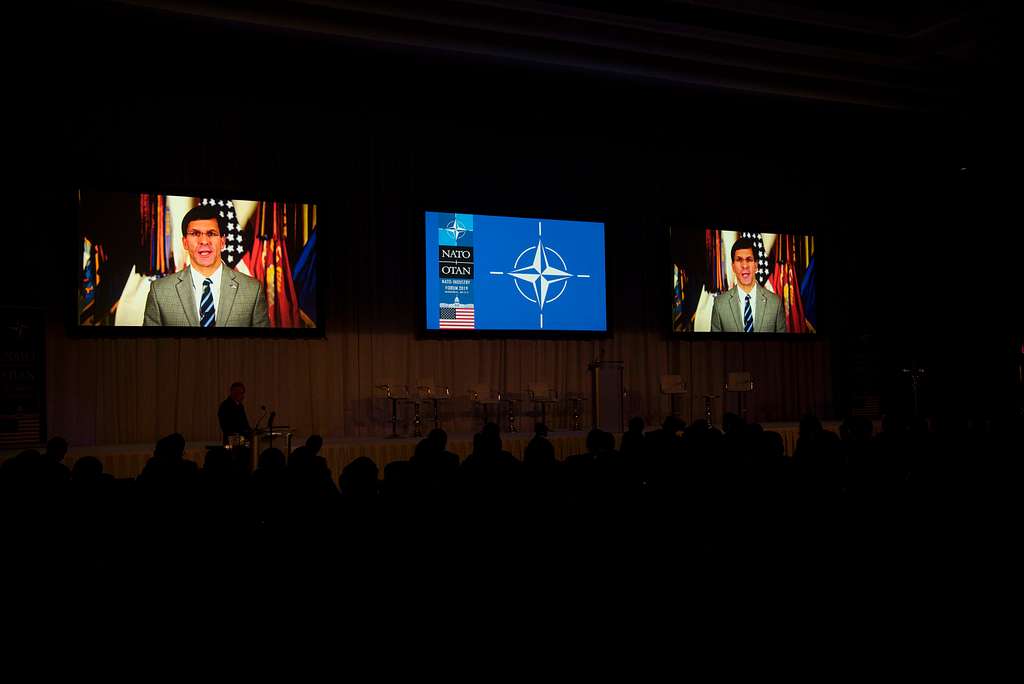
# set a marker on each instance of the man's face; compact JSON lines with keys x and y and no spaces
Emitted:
{"x":745,"y":267}
{"x":203,"y":242}
{"x":238,"y":393}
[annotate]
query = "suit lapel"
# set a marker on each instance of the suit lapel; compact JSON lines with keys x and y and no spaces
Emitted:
{"x":737,"y":308}
{"x":228,"y":292}
{"x":186,"y":296}
{"x":762,"y":305}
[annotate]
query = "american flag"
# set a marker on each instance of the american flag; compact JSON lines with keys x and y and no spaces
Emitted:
{"x":21,"y":431}
{"x":233,"y":241}
{"x":460,"y":318}
{"x":763,"y":271}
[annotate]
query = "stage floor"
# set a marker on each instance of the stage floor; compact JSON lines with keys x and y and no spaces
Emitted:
{"x":127,"y":460}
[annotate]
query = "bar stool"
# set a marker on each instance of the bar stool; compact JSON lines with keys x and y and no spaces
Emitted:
{"x":708,"y":400}
{"x":740,"y":382}
{"x":674,"y":387}
{"x":435,"y":394}
{"x":541,"y":393}
{"x":483,"y":396}
{"x":575,"y":401}
{"x":400,"y":394}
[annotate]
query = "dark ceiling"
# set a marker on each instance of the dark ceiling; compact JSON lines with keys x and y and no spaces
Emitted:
{"x":926,"y":56}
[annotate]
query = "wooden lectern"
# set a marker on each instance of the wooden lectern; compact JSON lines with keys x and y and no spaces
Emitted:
{"x":264,"y":439}
{"x":606,"y":389}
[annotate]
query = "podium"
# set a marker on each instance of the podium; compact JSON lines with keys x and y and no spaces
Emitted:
{"x":265,"y":438}
{"x":606,"y":389}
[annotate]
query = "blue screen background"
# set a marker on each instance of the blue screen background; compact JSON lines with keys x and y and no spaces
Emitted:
{"x":497,"y":241}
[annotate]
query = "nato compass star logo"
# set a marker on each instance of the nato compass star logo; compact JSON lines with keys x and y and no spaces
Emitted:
{"x":455,"y":229}
{"x":543,"y":276}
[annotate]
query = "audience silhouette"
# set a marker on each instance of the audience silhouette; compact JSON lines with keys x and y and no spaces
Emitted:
{"x":692,"y":485}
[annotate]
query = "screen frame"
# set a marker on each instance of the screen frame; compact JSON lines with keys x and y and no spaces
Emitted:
{"x":690,"y":226}
{"x":77,"y":331}
{"x":417,"y":218}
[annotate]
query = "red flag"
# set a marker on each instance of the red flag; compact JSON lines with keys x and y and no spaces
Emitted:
{"x":786,"y":284}
{"x":268,"y":262}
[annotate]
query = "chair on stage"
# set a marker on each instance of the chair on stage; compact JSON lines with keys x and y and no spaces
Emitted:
{"x":741,"y":383}
{"x":541,"y":394}
{"x":674,"y":387}
{"x":487,"y":399}
{"x":426,"y":390}
{"x":399,"y":394}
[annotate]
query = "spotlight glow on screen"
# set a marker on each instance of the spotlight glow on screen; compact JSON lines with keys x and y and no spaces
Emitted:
{"x":514,"y":274}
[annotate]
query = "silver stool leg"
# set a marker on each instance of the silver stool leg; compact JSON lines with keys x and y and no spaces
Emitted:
{"x":394,"y":417}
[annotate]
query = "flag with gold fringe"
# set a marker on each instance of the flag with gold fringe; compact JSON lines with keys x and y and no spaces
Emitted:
{"x":678,"y":299}
{"x":93,"y":257}
{"x":268,"y":262}
{"x":305,"y":278}
{"x":156,"y":233}
{"x":785,"y":281}
{"x":717,"y":266}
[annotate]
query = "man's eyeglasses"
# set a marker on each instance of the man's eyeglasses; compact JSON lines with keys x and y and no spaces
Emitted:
{"x":196,"y":234}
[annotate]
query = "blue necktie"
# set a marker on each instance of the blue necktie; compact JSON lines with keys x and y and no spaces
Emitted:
{"x":748,"y":316}
{"x":206,"y":312}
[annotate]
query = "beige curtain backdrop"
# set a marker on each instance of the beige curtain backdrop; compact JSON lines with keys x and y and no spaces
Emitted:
{"x":135,"y":390}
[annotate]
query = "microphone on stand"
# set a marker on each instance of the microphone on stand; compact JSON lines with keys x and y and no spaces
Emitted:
{"x":270,"y":429}
{"x":260,"y":418}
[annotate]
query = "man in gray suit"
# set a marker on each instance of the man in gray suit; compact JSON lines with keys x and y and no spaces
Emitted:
{"x":206,"y":294}
{"x":747,"y":307}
